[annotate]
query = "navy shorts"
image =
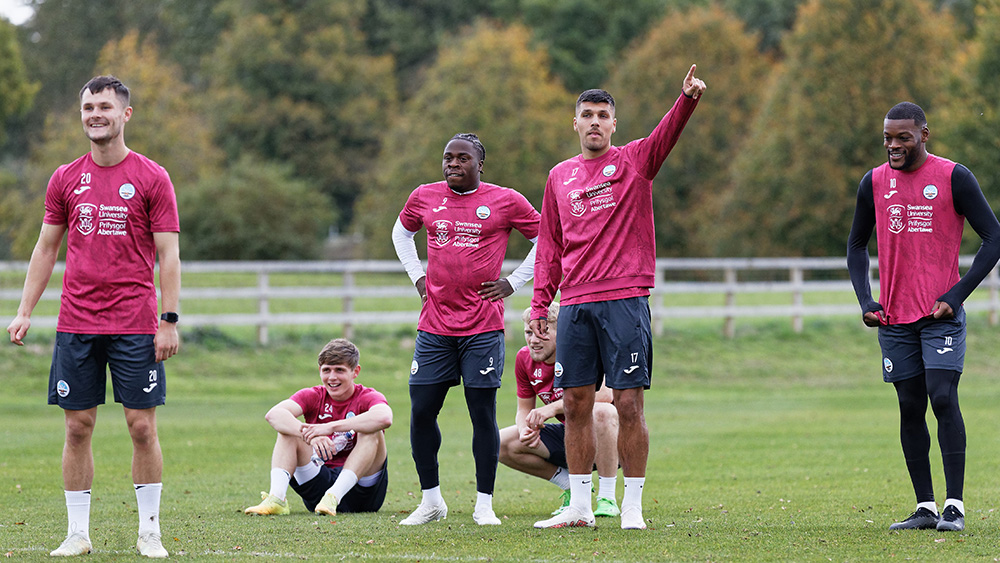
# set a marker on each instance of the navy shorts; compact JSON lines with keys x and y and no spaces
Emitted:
{"x":605,"y":339}
{"x":909,"y":349}
{"x":78,"y":377}
{"x":358,"y":499}
{"x":476,"y":360}
{"x":553,"y":435}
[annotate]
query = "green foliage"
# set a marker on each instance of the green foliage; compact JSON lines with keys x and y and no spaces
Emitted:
{"x":522,"y":115}
{"x":252,"y":211}
{"x":293,"y":83}
{"x":848,"y":62}
{"x":17,"y":92}
{"x":970,"y":117}
{"x":646,"y":83}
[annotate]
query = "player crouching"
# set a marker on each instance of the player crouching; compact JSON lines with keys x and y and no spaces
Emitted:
{"x":337,"y":459}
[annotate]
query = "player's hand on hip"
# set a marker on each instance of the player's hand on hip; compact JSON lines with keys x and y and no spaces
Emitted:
{"x":494,"y":290}
{"x":693,"y":87}
{"x":166,"y":341}
{"x":18,"y":328}
{"x":943,"y":310}
{"x":873,"y":318}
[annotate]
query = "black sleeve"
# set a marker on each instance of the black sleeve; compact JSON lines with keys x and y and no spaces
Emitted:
{"x":970,"y":201}
{"x":858,"y":260}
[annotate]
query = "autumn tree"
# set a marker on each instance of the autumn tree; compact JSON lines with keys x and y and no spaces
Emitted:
{"x":819,"y":129}
{"x":522,"y":115}
{"x":646,"y":83}
{"x":294,"y":84}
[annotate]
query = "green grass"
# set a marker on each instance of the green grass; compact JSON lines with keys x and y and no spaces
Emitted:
{"x":773,"y":446}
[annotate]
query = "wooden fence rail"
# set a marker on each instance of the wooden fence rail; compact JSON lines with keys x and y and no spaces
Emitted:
{"x":680,"y":280}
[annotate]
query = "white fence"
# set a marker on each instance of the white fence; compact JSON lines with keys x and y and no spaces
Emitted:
{"x":680,"y":281}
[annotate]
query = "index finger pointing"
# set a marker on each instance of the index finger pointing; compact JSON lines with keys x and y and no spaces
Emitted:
{"x":690,"y":73}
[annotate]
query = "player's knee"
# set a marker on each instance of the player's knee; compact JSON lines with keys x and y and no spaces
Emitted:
{"x":605,"y":416}
{"x":78,"y":430}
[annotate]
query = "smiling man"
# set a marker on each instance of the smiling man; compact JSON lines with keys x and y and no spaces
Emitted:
{"x":118,"y":213}
{"x":337,"y":459}
{"x":460,"y":331}
{"x":917,"y":203}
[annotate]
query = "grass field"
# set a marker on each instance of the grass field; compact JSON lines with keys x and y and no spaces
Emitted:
{"x":772,"y":446}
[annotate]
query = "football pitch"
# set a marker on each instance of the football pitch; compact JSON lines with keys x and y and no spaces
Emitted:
{"x":772,"y":446}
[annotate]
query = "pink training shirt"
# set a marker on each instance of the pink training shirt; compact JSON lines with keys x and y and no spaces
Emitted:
{"x":467,"y":237}
{"x":919,"y":236}
{"x":111,"y":214}
{"x":596,"y":240}
{"x":319,"y":408}
{"x":536,"y":379}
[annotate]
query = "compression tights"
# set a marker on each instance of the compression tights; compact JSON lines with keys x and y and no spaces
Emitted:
{"x":941,"y":387}
{"x":425,"y":435}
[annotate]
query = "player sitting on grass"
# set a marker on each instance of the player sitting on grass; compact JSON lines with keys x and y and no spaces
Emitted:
{"x":538,"y":448}
{"x":343,"y":433}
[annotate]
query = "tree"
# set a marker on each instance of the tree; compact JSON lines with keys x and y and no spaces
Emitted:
{"x":522,"y":115}
{"x":17,"y":92}
{"x":848,"y":62}
{"x":294,"y":84}
{"x":648,"y":80}
{"x":253,"y":211}
{"x":966,"y":126}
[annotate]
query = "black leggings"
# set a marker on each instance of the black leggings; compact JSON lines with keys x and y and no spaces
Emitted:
{"x":425,"y":435}
{"x":941,"y":386}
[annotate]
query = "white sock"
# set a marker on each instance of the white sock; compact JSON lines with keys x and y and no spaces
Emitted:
{"x":606,"y":487}
{"x":432,"y":497}
{"x":633,"y":492}
{"x":929,"y":505}
{"x":344,"y":483}
{"x":279,"y":482}
{"x":956,"y":503}
{"x":579,"y":491}
{"x":561,"y":478}
{"x":483,"y":501}
{"x":147,"y":499}
{"x":78,"y":510}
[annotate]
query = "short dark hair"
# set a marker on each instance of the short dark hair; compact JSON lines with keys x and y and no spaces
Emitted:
{"x":595,"y":96}
{"x":474,"y":139}
{"x":98,"y":84}
{"x":908,"y":110}
{"x":340,"y":352}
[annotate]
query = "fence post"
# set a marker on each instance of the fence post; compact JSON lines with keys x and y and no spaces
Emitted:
{"x":729,"y":328}
{"x":797,"y":279}
{"x":262,"y":307}
{"x":348,"y":304}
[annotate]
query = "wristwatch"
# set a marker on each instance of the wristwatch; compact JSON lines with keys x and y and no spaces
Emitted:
{"x":170,"y":317}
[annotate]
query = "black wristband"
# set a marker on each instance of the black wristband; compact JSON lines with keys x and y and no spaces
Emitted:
{"x":170,"y":317}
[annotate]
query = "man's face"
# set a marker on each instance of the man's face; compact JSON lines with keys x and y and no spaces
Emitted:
{"x":595,"y":122}
{"x":339,"y":380}
{"x":541,"y":350}
{"x":904,"y":143}
{"x":104,"y":115}
{"x":461,"y":165}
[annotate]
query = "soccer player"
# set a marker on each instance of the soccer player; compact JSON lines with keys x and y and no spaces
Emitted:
{"x":344,"y":429}
{"x":120,"y":212}
{"x":917,"y":204}
{"x":538,"y":448}
{"x":460,"y":331}
{"x":596,"y":246}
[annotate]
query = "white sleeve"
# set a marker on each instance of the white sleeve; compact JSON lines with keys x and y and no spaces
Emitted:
{"x":526,"y":270}
{"x":406,"y":249}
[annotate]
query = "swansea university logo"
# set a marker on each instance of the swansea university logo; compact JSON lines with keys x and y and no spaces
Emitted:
{"x":895,"y":218}
{"x":577,"y":207}
{"x":442,"y":232}
{"x":85,"y":218}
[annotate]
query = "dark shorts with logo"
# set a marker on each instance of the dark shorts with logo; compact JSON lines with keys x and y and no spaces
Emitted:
{"x":358,"y":499}
{"x":475,"y":360}
{"x":553,"y":435}
{"x":909,"y":349}
{"x":609,"y":340}
{"x":78,"y":376}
